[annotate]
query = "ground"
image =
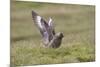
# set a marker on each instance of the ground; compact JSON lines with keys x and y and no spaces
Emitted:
{"x":77,"y":22}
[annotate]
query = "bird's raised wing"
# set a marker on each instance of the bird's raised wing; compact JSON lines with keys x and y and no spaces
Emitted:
{"x":43,"y":27}
{"x":51,"y":26}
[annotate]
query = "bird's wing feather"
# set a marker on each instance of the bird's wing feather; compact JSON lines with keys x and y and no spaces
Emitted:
{"x":51,"y":26}
{"x":43,"y":26}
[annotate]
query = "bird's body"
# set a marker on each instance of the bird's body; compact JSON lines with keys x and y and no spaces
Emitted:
{"x":50,"y":39}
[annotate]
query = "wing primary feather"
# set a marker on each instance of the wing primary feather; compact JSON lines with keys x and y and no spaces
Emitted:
{"x":34,"y":14}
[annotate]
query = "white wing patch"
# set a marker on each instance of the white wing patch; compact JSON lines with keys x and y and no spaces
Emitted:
{"x":50,"y":22}
{"x":38,"y":19}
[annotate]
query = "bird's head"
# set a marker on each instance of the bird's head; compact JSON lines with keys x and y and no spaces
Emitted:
{"x":60,"y":35}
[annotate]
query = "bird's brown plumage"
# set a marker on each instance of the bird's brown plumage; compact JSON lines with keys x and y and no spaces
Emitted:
{"x":47,"y":31}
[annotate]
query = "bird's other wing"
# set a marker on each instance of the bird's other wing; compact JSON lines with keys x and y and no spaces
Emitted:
{"x":51,"y":26}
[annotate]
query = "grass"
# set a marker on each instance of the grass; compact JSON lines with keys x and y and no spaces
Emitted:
{"x":77,"y":22}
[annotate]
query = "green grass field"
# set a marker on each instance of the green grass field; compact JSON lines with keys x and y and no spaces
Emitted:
{"x":77,"y":22}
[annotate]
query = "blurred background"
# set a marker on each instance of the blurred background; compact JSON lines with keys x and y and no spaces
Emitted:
{"x":77,"y":22}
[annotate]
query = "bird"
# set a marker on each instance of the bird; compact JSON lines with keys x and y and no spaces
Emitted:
{"x":49,"y":37}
